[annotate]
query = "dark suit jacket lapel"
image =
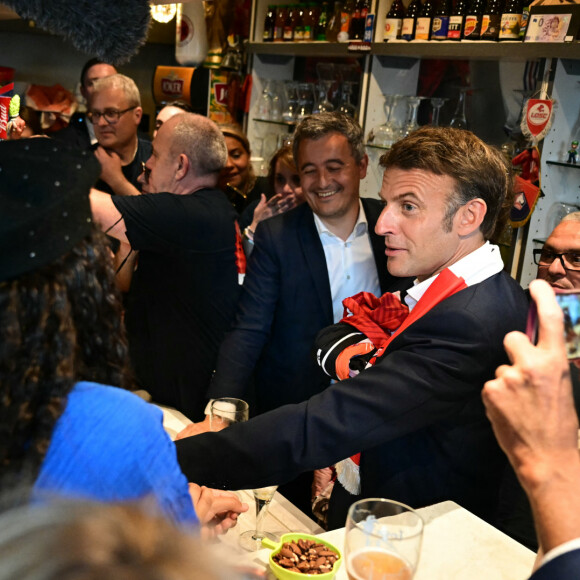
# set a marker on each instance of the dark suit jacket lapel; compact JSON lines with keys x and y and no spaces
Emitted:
{"x":313,"y":253}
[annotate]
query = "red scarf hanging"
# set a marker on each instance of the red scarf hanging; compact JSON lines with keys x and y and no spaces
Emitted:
{"x":386,"y":311}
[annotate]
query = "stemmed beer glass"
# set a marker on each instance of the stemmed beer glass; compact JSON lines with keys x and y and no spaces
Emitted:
{"x":252,"y":539}
{"x":382,"y":540}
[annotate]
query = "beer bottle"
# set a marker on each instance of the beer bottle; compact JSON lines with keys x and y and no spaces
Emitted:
{"x":310,"y":15}
{"x":281,"y":13}
{"x":410,"y":20}
{"x":333,"y":27}
{"x":525,"y":19}
{"x":491,"y":20}
{"x":345,"y":18}
{"x":269,"y":24}
{"x":322,"y":22}
{"x":289,"y":24}
{"x":298,"y":23}
{"x":394,"y":21}
{"x":457,"y":20}
{"x":423,"y":27}
{"x":440,"y":24}
{"x":473,"y":20}
{"x":510,"y":20}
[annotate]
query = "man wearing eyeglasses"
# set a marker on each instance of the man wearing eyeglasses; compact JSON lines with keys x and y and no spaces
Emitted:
{"x":559,"y":260}
{"x":115,"y":113}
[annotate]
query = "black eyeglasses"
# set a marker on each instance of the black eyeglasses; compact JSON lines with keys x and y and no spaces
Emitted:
{"x":569,"y":260}
{"x":112,"y":116}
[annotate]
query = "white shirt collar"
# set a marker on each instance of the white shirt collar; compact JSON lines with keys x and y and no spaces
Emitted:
{"x":360,"y":227}
{"x":476,"y":267}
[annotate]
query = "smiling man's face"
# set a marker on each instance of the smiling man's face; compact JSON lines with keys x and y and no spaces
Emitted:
{"x":330,"y":176}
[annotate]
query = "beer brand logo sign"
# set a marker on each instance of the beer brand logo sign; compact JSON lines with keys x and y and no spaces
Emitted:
{"x":221,"y":93}
{"x":4,"y":104}
{"x":172,"y":86}
{"x":538,"y":117}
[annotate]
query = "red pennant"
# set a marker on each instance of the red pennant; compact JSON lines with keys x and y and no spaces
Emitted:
{"x":537,"y":118}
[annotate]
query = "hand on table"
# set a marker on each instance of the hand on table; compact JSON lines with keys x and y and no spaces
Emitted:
{"x":322,"y":477}
{"x":217,"y":510}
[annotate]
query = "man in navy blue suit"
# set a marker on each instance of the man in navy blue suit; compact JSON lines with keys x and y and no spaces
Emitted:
{"x":416,"y":416}
{"x":531,"y":408}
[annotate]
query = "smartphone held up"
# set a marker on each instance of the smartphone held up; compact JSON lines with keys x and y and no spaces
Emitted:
{"x":569,"y":301}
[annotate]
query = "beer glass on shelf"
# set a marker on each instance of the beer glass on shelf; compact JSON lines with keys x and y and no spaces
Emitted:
{"x":388,"y":133}
{"x":345,"y":106}
{"x":436,"y":104}
{"x":382,"y":540}
{"x":412,"y":111}
{"x":264,"y":105}
{"x":252,"y":539}
{"x":459,"y":119}
{"x":291,"y":109}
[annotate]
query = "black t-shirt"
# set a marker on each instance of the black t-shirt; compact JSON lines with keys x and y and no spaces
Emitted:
{"x":134,"y":169}
{"x":183,"y":294}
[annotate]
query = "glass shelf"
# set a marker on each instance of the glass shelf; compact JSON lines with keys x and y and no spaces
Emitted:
{"x":381,"y":147}
{"x":564,"y":164}
{"x":290,"y":124}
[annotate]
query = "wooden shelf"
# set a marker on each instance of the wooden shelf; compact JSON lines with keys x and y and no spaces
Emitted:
{"x":478,"y":50}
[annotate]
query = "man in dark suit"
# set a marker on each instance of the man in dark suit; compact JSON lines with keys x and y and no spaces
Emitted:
{"x":416,"y":416}
{"x":304,"y":264}
{"x":79,"y":133}
{"x":531,"y":409}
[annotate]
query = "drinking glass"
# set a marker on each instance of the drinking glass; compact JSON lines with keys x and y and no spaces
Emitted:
{"x":277,"y":106}
{"x":252,"y":539}
{"x":289,"y":113}
{"x":436,"y":104}
{"x":412,"y":111}
{"x":345,"y":106}
{"x":305,"y":101}
{"x":387,"y":134}
{"x":382,"y":540}
{"x":226,"y":411}
{"x":264,"y":105}
{"x":459,"y":120}
{"x":323,"y":105}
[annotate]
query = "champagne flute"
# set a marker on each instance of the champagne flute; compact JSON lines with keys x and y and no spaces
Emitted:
{"x":223,"y":412}
{"x":382,"y":540}
{"x":252,"y":539}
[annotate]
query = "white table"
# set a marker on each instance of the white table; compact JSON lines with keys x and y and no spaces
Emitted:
{"x":282,"y":517}
{"x":456,"y":544}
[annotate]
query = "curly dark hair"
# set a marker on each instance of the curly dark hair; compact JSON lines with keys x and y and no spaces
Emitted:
{"x":59,"y":324}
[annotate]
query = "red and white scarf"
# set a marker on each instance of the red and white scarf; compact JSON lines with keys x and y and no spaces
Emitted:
{"x":445,"y":285}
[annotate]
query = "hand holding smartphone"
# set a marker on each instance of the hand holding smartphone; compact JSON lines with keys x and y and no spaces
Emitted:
{"x":569,"y":301}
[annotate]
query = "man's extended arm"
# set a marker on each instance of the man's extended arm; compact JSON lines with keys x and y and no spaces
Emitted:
{"x":107,"y":216}
{"x":532,"y":412}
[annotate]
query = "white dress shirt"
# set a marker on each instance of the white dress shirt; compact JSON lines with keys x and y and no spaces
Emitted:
{"x":476,"y":267}
{"x":351,"y":264}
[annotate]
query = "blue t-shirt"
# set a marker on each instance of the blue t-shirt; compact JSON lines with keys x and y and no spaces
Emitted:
{"x":110,"y":445}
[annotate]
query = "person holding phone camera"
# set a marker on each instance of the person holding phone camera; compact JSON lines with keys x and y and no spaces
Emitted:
{"x":559,"y":265}
{"x":529,"y":404}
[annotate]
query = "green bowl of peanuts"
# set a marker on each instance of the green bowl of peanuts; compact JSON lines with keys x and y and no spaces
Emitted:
{"x":298,"y":556}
